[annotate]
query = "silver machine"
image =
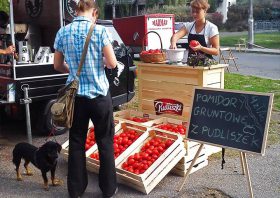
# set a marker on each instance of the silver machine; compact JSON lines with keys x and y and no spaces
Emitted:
{"x":23,"y":52}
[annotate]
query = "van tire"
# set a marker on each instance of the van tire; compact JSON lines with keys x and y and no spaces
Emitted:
{"x":44,"y":124}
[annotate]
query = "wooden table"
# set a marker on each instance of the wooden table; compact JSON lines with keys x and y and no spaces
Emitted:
{"x":176,"y":82}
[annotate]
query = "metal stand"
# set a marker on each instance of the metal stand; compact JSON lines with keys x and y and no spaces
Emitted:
{"x":26,"y":101}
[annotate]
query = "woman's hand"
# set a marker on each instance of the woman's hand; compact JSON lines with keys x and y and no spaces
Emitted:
{"x":10,"y":49}
{"x":197,"y":48}
{"x":173,"y":45}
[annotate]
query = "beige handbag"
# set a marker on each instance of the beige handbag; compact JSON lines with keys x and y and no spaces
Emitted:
{"x":63,"y":109}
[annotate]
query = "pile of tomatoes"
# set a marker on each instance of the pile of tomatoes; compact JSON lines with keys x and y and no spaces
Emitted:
{"x":121,"y":142}
{"x":175,"y":128}
{"x":151,"y":51}
{"x":139,"y":162}
{"x":139,"y":119}
{"x":90,"y":141}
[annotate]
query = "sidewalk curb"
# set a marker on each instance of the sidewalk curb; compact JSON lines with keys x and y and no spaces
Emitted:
{"x":255,"y":50}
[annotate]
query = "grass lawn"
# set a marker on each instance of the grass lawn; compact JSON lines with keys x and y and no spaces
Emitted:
{"x":268,"y":40}
{"x":252,"y":83}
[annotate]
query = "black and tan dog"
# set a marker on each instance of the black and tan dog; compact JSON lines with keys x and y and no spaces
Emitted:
{"x":44,"y":158}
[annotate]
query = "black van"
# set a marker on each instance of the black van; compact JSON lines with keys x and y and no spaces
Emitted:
{"x":35,"y":73}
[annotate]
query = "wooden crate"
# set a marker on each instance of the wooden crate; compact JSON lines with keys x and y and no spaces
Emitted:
{"x":165,"y":120}
{"x":163,"y":81}
{"x":93,"y":164}
{"x":182,"y":167}
{"x":65,"y":145}
{"x":126,"y":115}
{"x":147,"y":181}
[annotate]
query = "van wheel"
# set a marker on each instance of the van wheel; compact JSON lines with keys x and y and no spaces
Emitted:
{"x":45,"y":123}
{"x":49,"y":122}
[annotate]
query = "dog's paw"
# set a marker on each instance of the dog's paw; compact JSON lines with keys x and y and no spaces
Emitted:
{"x":19,"y":178}
{"x":57,"y":182}
{"x":29,"y":173}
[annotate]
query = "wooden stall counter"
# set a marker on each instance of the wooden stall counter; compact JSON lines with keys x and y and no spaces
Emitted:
{"x":167,"y":89}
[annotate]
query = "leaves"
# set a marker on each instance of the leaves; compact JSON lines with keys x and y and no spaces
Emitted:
{"x":4,"y":6}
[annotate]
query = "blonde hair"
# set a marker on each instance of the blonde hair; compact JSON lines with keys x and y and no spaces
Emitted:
{"x":200,"y":4}
{"x":84,"y":5}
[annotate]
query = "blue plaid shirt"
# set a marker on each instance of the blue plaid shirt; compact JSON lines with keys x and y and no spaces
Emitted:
{"x":70,"y":41}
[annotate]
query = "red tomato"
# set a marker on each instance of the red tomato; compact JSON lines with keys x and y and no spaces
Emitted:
{"x":194,"y":43}
{"x":157,"y":51}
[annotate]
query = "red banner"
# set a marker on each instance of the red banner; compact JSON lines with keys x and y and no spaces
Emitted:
{"x":168,"y":106}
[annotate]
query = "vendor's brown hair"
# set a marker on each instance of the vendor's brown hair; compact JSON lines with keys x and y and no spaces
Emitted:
{"x":200,"y":4}
{"x":84,"y":5}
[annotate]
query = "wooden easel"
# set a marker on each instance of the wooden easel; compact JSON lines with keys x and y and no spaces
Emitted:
{"x":244,"y":165}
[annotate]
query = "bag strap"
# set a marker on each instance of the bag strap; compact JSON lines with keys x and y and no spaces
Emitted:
{"x":85,"y":50}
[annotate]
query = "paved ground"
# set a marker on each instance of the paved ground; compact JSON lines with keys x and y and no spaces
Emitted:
{"x":211,"y":181}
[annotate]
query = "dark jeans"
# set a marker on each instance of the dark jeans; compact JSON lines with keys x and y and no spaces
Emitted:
{"x":100,"y":111}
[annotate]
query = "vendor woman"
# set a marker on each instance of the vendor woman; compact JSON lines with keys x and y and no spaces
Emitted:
{"x":201,"y":30}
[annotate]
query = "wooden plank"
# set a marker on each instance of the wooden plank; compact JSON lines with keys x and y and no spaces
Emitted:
{"x":169,"y":115}
{"x":165,"y":171}
{"x":213,"y":78}
{"x":167,"y":86}
{"x":194,"y":169}
{"x":127,"y":114}
{"x":186,"y":165}
{"x":167,"y":76}
{"x":148,"y":107}
{"x":215,"y":85}
{"x":155,"y":94}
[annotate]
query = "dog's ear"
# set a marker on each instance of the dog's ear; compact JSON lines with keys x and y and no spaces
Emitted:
{"x":58,"y":147}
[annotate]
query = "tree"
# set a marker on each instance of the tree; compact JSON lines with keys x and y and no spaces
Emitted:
{"x":4,"y":5}
{"x":101,"y":4}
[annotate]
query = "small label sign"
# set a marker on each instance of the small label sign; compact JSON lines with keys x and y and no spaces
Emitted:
{"x":168,"y":106}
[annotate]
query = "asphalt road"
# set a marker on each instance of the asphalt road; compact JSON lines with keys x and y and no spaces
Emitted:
{"x":257,"y":64}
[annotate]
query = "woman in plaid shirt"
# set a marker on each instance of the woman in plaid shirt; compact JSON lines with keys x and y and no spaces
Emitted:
{"x":93,"y":100}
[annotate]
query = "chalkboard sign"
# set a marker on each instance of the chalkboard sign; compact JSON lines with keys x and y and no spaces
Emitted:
{"x":231,"y":119}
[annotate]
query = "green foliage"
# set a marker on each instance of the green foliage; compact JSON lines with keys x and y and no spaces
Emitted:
{"x":213,"y":5}
{"x":4,"y":5}
{"x":182,"y":13}
{"x":268,"y":40}
{"x":101,"y":5}
{"x":252,"y":83}
{"x":237,"y":18}
{"x":216,"y":18}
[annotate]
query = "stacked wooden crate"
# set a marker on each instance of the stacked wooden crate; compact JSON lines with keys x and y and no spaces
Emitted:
{"x":93,"y":164}
{"x":191,"y":147}
{"x":146,"y":181}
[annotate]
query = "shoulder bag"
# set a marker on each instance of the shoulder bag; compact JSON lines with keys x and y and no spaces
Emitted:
{"x":62,"y":109}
